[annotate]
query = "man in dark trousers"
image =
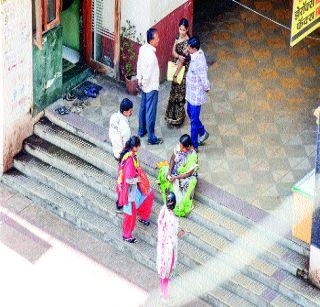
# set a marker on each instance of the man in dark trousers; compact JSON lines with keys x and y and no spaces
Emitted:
{"x":197,"y":86}
{"x":148,"y":78}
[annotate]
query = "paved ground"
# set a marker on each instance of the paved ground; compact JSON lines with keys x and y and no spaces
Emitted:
{"x":259,"y":111}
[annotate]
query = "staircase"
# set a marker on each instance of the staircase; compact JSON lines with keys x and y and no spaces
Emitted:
{"x":67,"y":167}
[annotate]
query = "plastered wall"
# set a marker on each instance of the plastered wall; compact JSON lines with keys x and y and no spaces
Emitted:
{"x":15,"y":78}
{"x":165,"y":16}
{"x":145,"y":14}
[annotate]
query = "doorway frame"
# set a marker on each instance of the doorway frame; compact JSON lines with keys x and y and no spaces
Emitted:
{"x":87,"y":37}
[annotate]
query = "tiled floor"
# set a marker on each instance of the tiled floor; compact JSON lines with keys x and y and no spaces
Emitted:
{"x":259,"y":112}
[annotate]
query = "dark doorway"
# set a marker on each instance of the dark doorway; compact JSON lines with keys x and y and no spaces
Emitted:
{"x":206,"y":10}
{"x":74,"y":69}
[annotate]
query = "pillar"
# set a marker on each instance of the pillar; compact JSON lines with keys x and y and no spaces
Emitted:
{"x":15,"y":78}
{"x":314,"y":263}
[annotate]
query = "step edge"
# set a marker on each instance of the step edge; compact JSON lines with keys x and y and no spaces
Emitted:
{"x":67,"y":123}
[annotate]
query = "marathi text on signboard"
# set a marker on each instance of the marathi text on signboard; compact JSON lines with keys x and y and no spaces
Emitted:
{"x":305,"y":19}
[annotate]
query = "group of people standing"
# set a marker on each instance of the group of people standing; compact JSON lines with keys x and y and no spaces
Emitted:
{"x":177,"y":178}
{"x":194,"y":86}
{"x":192,"y":90}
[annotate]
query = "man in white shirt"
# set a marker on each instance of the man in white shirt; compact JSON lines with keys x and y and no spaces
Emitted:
{"x":148,"y":78}
{"x":119,"y":129}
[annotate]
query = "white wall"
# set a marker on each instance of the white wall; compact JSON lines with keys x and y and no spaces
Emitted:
{"x":314,"y":266}
{"x":162,"y":8}
{"x":1,"y":92}
{"x":15,"y":77}
{"x":138,"y":12}
{"x":146,"y":13}
{"x":141,"y":13}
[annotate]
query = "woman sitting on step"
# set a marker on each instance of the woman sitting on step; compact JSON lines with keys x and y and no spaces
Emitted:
{"x":135,"y":198}
{"x":180,"y":176}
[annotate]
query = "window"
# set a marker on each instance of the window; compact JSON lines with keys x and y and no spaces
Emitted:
{"x":46,"y":15}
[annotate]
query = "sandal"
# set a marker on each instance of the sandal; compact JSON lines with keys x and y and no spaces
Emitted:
{"x":129,"y":240}
{"x":70,"y":97}
{"x":119,"y":209}
{"x":144,"y":222}
{"x":62,"y":110}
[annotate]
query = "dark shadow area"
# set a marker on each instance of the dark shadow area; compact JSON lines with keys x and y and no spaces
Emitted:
{"x":207,"y":10}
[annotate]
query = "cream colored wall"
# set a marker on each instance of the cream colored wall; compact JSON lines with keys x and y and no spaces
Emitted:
{"x":146,"y":13}
{"x":15,"y":77}
{"x":139,"y":14}
{"x":162,"y":8}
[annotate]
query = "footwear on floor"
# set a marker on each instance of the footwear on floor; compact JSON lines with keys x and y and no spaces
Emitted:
{"x":129,"y":240}
{"x":119,"y":209}
{"x":62,"y":110}
{"x":69,"y":97}
{"x":157,"y":141}
{"x":91,"y":92}
{"x":203,"y":138}
{"x":144,"y":222}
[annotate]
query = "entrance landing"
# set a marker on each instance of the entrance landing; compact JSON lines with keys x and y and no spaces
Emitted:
{"x":259,"y":111}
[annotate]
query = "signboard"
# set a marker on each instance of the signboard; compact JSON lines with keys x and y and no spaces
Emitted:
{"x":305,"y":19}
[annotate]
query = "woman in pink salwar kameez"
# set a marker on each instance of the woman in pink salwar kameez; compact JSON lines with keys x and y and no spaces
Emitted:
{"x":129,"y":194}
{"x":167,"y":246}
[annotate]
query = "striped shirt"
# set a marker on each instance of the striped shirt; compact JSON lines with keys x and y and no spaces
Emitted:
{"x":197,"y":82}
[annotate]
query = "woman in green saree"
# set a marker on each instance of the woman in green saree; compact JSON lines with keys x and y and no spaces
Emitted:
{"x":180,"y":176}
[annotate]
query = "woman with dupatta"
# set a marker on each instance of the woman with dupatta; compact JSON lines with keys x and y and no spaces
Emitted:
{"x":180,"y":176}
{"x":175,"y":113}
{"x":167,"y":244}
{"x":130,"y":193}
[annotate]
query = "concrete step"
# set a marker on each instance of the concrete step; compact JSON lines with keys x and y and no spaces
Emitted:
{"x":90,"y":199}
{"x":209,"y":217}
{"x":65,"y":184}
{"x":101,"y":228}
{"x":83,"y":128}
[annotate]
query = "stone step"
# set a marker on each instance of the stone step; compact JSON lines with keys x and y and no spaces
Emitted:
{"x":101,"y":228}
{"x":83,"y":128}
{"x":88,"y":198}
{"x":82,"y":218}
{"x":210,"y":217}
{"x":65,"y":184}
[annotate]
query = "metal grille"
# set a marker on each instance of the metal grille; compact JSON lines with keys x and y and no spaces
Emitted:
{"x":97,"y":20}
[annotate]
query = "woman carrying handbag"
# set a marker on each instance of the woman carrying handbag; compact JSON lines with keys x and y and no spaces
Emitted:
{"x":175,"y":112}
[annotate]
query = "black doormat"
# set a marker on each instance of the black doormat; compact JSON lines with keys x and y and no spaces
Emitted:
{"x":86,"y":89}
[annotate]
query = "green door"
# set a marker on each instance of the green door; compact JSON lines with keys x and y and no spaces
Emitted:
{"x":70,"y":21}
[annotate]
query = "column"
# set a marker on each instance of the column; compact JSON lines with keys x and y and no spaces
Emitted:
{"x":16,"y":88}
{"x":314,"y":264}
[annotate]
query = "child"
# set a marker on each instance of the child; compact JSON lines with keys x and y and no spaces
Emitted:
{"x":168,"y":235}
